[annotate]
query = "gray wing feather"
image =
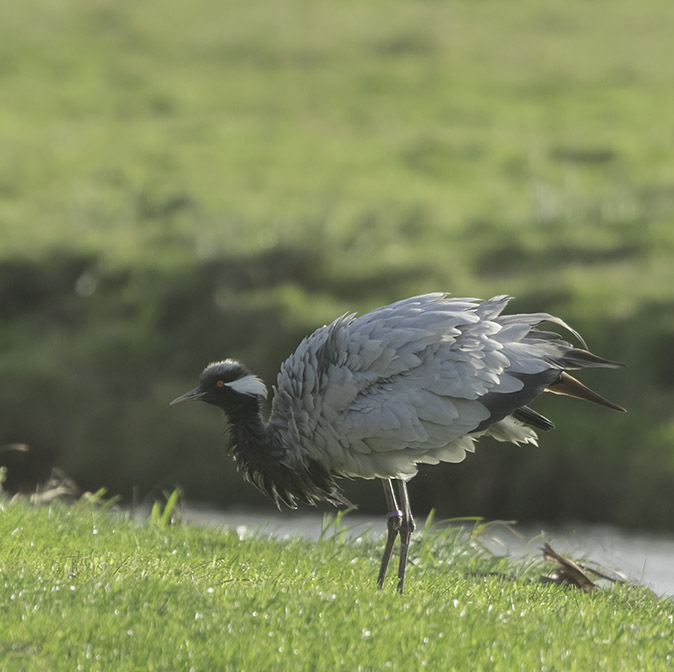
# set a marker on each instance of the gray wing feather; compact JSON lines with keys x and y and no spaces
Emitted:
{"x":405,"y":383}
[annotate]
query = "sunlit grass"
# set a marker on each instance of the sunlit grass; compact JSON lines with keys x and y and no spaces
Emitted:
{"x":86,"y":589}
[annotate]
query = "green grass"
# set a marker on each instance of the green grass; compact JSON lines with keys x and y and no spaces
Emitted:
{"x":181,"y":182}
{"x":81,"y":588}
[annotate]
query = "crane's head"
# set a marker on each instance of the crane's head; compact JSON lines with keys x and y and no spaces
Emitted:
{"x":228,"y":385}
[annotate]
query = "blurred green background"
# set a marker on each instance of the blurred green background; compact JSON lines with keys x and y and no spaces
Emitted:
{"x":182,"y":182}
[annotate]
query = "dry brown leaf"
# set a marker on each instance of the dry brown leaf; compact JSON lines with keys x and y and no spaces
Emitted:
{"x":568,"y":572}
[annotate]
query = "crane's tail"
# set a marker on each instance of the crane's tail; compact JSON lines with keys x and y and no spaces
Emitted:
{"x":571,"y":387}
{"x":577,"y":358}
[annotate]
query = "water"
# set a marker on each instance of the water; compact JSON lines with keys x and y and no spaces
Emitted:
{"x":641,"y":557}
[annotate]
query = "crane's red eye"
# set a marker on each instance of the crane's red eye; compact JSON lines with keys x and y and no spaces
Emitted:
{"x":220,"y":383}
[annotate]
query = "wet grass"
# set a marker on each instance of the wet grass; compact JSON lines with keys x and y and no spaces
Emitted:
{"x":81,"y":588}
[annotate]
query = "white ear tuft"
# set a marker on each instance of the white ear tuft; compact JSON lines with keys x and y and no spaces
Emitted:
{"x":250,"y":385}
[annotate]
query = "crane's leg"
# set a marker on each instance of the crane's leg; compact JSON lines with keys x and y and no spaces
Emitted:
{"x":393,"y":520}
{"x":407,"y":526}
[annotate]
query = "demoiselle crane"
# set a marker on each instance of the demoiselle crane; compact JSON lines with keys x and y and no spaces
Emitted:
{"x":417,"y":381}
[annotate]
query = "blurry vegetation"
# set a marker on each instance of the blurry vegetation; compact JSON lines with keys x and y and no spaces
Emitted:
{"x":181,"y":182}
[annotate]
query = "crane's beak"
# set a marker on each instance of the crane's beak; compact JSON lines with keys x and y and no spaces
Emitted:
{"x":193,"y":395}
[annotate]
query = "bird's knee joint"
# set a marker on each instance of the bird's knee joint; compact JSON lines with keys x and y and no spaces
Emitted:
{"x":394,"y":520}
{"x":407,"y":525}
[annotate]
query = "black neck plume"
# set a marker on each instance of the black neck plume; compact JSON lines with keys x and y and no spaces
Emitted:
{"x":261,"y":457}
